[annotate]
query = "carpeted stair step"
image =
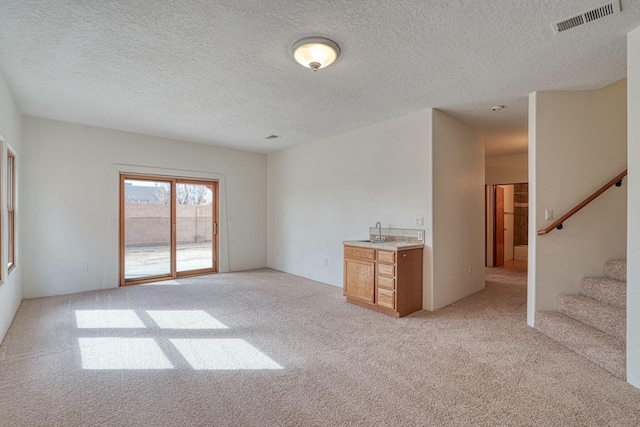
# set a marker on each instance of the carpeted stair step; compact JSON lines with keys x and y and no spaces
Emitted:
{"x":604,"y":350}
{"x":616,"y":269}
{"x":607,"y":290}
{"x":597,"y":314}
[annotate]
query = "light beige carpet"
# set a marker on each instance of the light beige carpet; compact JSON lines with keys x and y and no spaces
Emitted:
{"x":263,"y":348}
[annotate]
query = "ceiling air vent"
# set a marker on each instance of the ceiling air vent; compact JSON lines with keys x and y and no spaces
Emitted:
{"x":590,"y":15}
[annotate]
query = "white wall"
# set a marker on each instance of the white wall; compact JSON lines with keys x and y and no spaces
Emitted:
{"x":579,"y":143}
{"x":511,"y":169}
{"x":11,"y":285}
{"x":633,"y":236}
{"x":334,"y":189}
{"x":424,"y":164}
{"x":70,"y":200}
{"x":458,"y":210}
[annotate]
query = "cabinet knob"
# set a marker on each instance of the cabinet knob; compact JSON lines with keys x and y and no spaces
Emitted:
{"x":404,"y":255}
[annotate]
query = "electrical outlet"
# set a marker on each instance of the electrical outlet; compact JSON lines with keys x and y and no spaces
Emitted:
{"x":326,"y":261}
{"x":87,"y":267}
{"x":419,"y":220}
{"x":470,"y":270}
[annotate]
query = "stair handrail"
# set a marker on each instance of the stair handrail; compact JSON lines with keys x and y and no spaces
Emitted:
{"x":617,"y":181}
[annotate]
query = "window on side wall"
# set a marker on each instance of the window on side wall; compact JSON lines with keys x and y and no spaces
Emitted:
{"x":11,"y":202}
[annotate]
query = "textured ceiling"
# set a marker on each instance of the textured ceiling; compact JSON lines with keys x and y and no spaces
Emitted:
{"x":221,"y":72}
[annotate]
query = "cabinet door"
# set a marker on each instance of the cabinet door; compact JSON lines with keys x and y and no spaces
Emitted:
{"x":359,"y":279}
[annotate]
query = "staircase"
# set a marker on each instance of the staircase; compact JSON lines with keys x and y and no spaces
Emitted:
{"x":593,"y":323}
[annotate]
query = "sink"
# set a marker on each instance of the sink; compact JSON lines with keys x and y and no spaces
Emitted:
{"x":372,"y":241}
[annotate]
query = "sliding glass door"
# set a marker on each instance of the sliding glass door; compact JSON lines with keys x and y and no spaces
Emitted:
{"x":147,"y":228}
{"x":195,"y":227}
{"x":168,"y":228}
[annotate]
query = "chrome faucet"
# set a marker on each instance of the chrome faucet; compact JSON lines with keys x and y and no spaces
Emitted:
{"x":379,"y":227}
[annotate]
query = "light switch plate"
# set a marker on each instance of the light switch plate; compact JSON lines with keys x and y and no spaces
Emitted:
{"x":548,"y":214}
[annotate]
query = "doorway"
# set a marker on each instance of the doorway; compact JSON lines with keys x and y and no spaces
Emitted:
{"x":168,"y":228}
{"x":508,"y":228}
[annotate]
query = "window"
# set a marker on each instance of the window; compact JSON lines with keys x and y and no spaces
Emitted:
{"x":11,"y":201}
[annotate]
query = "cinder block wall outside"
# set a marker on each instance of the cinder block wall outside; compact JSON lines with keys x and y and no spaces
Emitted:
{"x":149,"y":225}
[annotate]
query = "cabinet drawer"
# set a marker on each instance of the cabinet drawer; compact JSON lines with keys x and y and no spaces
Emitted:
{"x":387,"y":299}
{"x":386,"y":270}
{"x":385,"y":256}
{"x":386,"y":282}
{"x":361,"y":253}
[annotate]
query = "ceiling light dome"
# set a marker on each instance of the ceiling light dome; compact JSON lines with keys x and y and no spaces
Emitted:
{"x":315,"y":52}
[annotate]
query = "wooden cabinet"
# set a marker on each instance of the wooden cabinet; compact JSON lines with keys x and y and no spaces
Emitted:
{"x":383,"y":280}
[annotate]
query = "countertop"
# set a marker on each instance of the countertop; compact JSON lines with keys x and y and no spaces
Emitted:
{"x":388,"y":246}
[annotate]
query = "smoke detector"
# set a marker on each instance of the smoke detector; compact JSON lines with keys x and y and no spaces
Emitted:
{"x":587,"y":16}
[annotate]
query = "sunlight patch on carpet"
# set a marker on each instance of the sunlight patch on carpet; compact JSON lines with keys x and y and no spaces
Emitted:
{"x":122,"y":353}
{"x":185,"y":319}
{"x":223,"y":354}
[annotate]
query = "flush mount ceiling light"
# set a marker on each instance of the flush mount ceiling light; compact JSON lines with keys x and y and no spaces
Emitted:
{"x":315,"y":52}
{"x":497,"y":108}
